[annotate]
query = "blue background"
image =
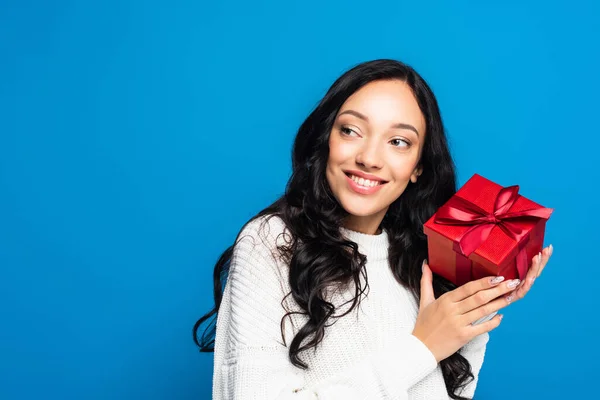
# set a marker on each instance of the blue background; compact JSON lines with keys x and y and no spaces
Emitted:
{"x":137,"y":137}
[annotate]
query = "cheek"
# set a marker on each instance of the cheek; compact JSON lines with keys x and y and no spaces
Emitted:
{"x":401,"y":167}
{"x":332,"y":161}
{"x":338,"y":151}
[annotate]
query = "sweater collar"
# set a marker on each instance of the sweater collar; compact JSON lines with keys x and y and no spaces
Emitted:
{"x":375,"y":247}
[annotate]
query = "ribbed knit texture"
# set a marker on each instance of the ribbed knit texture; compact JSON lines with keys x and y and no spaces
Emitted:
{"x":368,"y":354}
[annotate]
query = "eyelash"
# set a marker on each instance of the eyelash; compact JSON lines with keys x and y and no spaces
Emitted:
{"x":402,"y":140}
{"x":346,"y":131}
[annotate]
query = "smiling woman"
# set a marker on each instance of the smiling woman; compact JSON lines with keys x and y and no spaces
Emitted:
{"x":377,"y":129}
{"x":370,"y":166}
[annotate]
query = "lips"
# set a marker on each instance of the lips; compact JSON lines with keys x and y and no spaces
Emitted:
{"x":360,"y":183}
{"x":364,"y":175}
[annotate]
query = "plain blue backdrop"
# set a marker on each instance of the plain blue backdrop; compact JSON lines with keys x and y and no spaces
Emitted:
{"x":136,"y":137}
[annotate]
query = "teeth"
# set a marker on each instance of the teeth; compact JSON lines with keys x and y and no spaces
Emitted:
{"x":364,"y":182}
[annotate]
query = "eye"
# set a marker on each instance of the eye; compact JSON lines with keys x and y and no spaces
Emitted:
{"x":400,"y":143}
{"x":347,"y":131}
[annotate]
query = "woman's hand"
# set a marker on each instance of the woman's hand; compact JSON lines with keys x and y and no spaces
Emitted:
{"x":538,"y":264}
{"x":444,"y":325}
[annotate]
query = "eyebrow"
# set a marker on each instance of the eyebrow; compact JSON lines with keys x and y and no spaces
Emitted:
{"x":364,"y":118}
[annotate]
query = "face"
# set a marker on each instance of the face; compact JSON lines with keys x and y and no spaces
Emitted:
{"x":374,"y":151}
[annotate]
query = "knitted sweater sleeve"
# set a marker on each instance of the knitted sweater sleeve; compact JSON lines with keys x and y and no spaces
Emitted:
{"x":474,"y":352}
{"x":251,"y":360}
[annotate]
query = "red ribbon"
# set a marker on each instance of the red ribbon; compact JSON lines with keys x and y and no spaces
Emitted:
{"x":458,"y":211}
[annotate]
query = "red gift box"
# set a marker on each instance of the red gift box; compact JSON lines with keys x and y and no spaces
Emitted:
{"x":483,"y":230}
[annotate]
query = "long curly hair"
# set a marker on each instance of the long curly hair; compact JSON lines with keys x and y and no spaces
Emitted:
{"x":318,"y":256}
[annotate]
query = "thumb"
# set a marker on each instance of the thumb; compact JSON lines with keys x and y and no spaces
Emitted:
{"x":427,"y":296}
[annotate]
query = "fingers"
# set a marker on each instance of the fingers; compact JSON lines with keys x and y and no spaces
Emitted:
{"x":538,"y":263}
{"x":483,"y":297}
{"x":427,"y":295}
{"x":486,"y":326}
{"x":533,"y":273}
{"x":546,"y":254}
{"x":485,"y":309}
{"x":470,"y":288}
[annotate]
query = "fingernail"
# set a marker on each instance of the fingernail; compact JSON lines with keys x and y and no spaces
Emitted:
{"x":497,"y":279}
{"x":423,"y":265}
{"x":500,"y":316}
{"x":539,"y":257}
{"x":513,"y":284}
{"x":551,"y":249}
{"x":509,"y":298}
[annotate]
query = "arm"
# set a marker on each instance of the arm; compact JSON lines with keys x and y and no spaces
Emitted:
{"x":474,"y":352}
{"x":251,"y":361}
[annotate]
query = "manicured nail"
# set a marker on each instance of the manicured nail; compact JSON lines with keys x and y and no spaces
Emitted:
{"x":539,"y":257}
{"x":513,"y":284}
{"x":500,"y":316}
{"x":510,"y":298}
{"x":551,"y":249}
{"x":423,"y":265}
{"x":497,"y":279}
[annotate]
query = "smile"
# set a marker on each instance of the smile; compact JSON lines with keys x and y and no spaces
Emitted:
{"x":364,"y":182}
{"x":361,"y":185}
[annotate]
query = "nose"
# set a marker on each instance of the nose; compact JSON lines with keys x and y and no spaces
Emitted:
{"x":369,"y":155}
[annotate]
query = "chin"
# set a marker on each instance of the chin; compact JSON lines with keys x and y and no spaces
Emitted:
{"x":360,"y":209}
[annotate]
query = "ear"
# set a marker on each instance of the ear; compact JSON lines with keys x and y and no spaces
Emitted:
{"x":416,"y":173}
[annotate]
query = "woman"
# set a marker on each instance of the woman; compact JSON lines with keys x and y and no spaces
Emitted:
{"x":327,"y":293}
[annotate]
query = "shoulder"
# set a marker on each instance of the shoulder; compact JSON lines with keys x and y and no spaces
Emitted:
{"x":256,"y":285}
{"x":257,"y":253}
{"x":264,"y":236}
{"x":258,"y":271}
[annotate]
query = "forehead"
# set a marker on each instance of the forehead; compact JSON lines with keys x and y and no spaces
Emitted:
{"x":389,"y":101}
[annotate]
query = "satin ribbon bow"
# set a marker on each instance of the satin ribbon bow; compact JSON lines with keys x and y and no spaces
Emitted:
{"x":458,"y":211}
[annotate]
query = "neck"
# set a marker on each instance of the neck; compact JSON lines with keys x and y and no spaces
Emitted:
{"x":367,"y":224}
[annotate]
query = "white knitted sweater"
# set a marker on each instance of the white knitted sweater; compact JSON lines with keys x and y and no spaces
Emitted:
{"x":367,"y":354}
